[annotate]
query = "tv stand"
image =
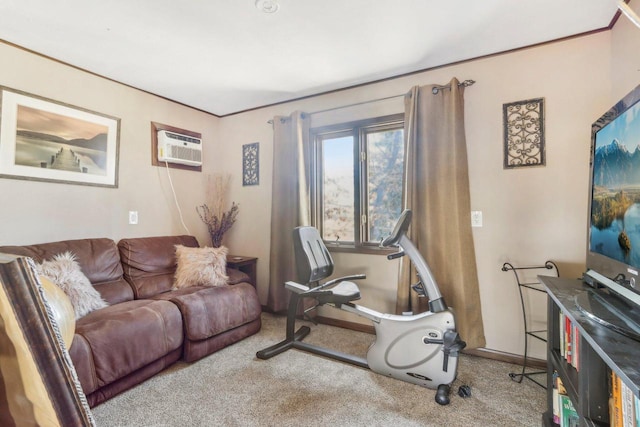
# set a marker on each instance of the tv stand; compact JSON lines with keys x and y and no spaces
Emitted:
{"x":611,"y":311}
{"x":600,"y":352}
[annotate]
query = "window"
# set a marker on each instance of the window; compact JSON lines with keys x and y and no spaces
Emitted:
{"x":357,"y":181}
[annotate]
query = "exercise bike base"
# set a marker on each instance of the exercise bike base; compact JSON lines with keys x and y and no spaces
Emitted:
{"x":297,"y":343}
{"x":283,"y":345}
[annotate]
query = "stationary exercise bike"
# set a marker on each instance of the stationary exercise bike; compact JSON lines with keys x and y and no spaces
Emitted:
{"x":421,"y":348}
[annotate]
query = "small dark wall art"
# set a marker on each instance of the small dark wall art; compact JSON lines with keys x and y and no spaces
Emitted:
{"x":251,"y":164}
{"x":524,"y":133}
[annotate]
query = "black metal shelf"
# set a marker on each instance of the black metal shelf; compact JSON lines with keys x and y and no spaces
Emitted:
{"x":540,"y":334}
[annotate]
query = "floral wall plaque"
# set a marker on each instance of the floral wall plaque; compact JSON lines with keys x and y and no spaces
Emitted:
{"x":524,"y":133}
{"x":251,"y":164}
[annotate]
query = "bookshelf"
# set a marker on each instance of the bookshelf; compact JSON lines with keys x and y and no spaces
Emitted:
{"x":598,"y":352}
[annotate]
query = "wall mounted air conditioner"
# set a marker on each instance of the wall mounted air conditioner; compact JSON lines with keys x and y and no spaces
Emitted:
{"x":178,"y":148}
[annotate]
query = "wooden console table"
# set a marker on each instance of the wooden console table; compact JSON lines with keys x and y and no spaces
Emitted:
{"x":247,"y":265}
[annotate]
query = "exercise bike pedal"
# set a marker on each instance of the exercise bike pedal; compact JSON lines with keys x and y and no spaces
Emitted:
{"x":464,"y":391}
{"x":419,"y":289}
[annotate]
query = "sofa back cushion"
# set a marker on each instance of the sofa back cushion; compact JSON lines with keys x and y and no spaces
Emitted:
{"x":150,"y":262}
{"x":98,"y":258}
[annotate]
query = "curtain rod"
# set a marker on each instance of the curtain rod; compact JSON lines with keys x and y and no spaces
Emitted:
{"x":435,"y":91}
{"x":465,"y":83}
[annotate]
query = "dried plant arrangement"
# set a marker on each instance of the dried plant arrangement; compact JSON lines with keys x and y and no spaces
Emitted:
{"x":214,"y":215}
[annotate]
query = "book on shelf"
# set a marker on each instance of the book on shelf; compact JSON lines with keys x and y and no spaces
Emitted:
{"x":568,"y":415}
{"x":561,"y":324}
{"x":556,"y":397}
{"x":569,"y":341}
{"x":615,"y":412}
{"x":564,"y":413}
{"x":628,"y":406}
{"x":623,"y":411}
{"x":568,"y":351}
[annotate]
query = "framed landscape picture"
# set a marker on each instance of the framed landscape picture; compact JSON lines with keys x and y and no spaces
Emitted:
{"x":45,"y":140}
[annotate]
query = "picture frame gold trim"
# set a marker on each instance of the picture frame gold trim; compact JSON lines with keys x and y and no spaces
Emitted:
{"x":37,"y":375}
{"x":45,"y":140}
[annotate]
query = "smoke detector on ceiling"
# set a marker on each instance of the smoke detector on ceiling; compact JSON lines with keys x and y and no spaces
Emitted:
{"x":267,"y":6}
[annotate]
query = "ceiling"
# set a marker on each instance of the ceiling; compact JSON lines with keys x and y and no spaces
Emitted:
{"x":226,"y":56}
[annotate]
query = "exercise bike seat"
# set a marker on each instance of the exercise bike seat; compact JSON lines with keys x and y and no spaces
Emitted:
{"x":314,"y":263}
{"x":313,"y":260}
{"x":341,"y":293}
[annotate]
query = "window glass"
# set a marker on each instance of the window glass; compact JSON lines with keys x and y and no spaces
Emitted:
{"x":357,"y":181}
{"x":385,"y":154}
{"x":338,"y":190}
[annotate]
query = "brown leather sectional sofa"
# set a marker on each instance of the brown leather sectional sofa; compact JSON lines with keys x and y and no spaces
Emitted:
{"x":147,"y":326}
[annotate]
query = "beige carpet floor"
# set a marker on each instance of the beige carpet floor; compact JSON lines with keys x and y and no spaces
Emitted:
{"x":234,"y":388}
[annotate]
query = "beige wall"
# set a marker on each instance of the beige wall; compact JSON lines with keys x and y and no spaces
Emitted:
{"x":625,"y":62}
{"x":35,"y":212}
{"x":530,"y":215}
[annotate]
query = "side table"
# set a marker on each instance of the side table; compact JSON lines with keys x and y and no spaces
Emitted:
{"x":245,"y":264}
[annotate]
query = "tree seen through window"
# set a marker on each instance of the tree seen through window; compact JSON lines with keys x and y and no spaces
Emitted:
{"x":358,"y":181}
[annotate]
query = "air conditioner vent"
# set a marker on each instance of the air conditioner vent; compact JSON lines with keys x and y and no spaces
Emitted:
{"x":178,"y":148}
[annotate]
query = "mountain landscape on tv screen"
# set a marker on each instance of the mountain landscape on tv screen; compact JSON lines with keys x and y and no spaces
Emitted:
{"x":615,"y":205}
{"x":615,"y":167}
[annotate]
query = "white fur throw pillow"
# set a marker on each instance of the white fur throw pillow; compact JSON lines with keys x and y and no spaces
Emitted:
{"x":65,"y":272}
{"x":200,"y":267}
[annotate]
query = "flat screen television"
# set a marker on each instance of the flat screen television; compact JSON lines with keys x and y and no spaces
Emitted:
{"x":613,"y":247}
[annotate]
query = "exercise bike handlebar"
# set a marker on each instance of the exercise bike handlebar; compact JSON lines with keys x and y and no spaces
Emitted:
{"x":342,"y":279}
{"x":401,"y":228}
{"x":395,"y":255}
{"x":399,"y":238}
{"x":300,"y":289}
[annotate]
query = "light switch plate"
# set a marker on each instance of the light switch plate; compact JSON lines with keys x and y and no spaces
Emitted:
{"x":476,"y":218}
{"x":133,"y":217}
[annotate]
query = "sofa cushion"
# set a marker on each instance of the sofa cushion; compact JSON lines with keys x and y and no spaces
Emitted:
{"x":200,"y":266}
{"x":208,"y":311}
{"x":113,"y":342}
{"x":98,"y":258}
{"x":65,"y":272}
{"x":150,"y":263}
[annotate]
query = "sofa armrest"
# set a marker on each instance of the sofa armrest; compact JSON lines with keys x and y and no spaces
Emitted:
{"x":236,"y":276}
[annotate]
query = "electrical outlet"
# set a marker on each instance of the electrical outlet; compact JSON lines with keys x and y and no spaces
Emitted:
{"x":476,"y":218}
{"x":133,"y":217}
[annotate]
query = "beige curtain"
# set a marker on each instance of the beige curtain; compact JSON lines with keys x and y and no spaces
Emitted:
{"x":437,"y":190}
{"x":290,"y":201}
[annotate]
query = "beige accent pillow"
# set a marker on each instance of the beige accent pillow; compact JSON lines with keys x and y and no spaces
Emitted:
{"x":65,"y":272}
{"x":200,"y":266}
